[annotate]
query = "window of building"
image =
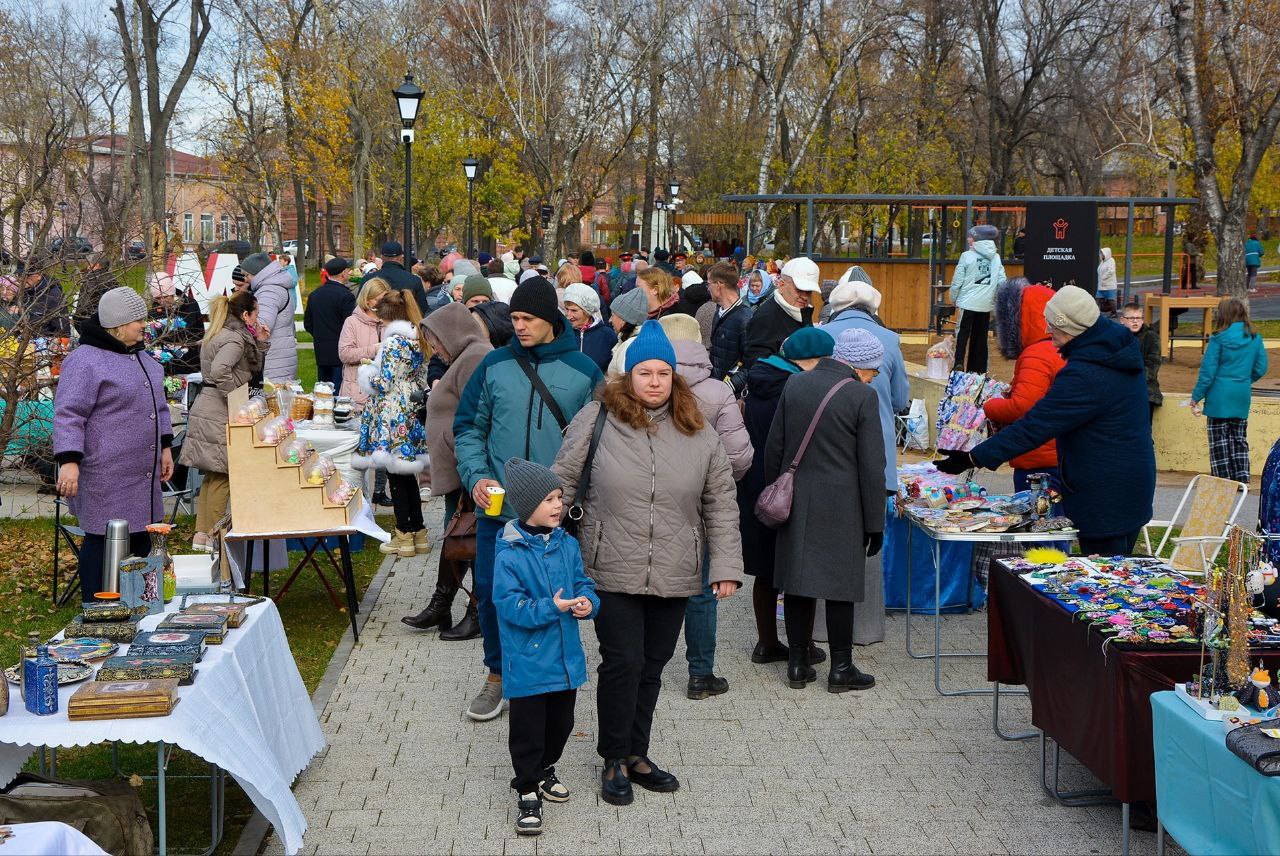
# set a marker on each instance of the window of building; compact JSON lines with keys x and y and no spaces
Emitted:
{"x":224,"y":228}
{"x":31,"y":233}
{"x":206,"y":228}
{"x":242,"y":228}
{"x":188,"y":227}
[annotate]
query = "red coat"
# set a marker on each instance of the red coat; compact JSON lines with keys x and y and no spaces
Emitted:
{"x":1033,"y":373}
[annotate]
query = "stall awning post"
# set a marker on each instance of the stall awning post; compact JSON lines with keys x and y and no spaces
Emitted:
{"x":808,"y":228}
{"x":1128,"y":254}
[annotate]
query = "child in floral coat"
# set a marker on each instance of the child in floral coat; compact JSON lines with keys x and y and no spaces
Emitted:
{"x":391,"y":435}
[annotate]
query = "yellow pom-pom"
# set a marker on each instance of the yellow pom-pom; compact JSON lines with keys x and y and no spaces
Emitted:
{"x":1045,"y":556}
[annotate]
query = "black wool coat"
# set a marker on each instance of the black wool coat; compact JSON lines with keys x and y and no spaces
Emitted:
{"x":769,"y":328}
{"x":839,"y":486}
{"x":328,"y":308}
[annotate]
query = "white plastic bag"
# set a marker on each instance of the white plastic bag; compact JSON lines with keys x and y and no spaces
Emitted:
{"x":939,"y":359}
{"x":916,"y":435}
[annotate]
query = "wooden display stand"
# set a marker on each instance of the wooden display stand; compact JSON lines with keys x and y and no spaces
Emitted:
{"x":1156,"y":311}
{"x":269,"y":494}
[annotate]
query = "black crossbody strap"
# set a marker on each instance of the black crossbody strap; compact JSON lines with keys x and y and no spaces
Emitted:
{"x":547,"y":398}
{"x":584,"y":480}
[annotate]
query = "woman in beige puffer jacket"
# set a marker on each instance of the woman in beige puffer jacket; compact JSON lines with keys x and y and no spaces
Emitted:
{"x":661,"y":494}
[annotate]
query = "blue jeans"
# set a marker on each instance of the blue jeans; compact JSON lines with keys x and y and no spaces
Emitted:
{"x":487,"y":529}
{"x":330,"y":374}
{"x":700,"y":626}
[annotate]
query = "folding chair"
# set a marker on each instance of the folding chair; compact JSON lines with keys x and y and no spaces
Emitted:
{"x":70,"y":533}
{"x":185,"y":496}
{"x":1214,"y":505}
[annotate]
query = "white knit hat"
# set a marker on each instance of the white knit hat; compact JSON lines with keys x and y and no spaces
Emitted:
{"x":584,"y":296}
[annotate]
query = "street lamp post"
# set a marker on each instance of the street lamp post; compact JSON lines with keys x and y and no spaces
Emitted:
{"x":408,"y":97}
{"x":674,"y":186}
{"x":469,"y":167}
{"x":660,"y":206}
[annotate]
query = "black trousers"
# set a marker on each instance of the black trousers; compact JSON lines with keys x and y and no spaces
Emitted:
{"x":798,"y":615}
{"x":637,"y":634}
{"x":406,"y":501}
{"x":92,"y":552}
{"x":540,"y":726}
{"x":971,"y":338}
{"x":1113,"y":545}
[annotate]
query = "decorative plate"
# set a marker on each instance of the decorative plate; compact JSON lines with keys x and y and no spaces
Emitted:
{"x":83,"y":649}
{"x":69,"y":672}
{"x":967,"y":504}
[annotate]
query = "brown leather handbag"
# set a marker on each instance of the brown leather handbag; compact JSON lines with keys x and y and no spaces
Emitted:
{"x":459,"y":543}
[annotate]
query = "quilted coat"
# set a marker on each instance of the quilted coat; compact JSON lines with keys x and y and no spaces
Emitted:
{"x":467,"y":345}
{"x":1023,"y":335}
{"x":839,"y":486}
{"x":110,"y":416}
{"x":718,"y":406}
{"x":227,"y":361}
{"x":541,"y":647}
{"x":729,"y":343}
{"x":274,"y":289}
{"x":657,"y":499}
{"x":391,"y":437}
{"x":359,"y":340}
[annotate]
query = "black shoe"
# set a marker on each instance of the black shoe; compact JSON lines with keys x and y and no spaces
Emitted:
{"x":437,"y":612}
{"x":615,"y":790}
{"x":467,"y":628}
{"x":656,"y":779}
{"x":529,"y":814}
{"x":844,"y":675}
{"x":816,"y":655}
{"x":775,"y":653}
{"x":799,"y":672}
{"x":704,"y":686}
{"x":380,"y":499}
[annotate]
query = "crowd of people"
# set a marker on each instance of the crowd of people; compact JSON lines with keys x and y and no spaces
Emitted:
{"x":619,"y":427}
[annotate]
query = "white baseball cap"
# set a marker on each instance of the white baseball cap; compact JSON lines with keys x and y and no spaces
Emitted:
{"x":804,"y":273}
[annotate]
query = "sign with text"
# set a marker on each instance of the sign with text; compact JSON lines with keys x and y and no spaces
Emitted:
{"x":1062,"y":244}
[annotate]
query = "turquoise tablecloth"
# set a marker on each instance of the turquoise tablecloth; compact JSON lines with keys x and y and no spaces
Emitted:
{"x":1209,"y":800}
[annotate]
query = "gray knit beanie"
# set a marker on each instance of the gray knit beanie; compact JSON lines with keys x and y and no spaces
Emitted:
{"x":632,"y":307}
{"x":120,"y":306}
{"x":527,"y":485}
{"x":255,"y":263}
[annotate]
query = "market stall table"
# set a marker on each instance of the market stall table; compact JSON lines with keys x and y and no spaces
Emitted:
{"x":1208,"y":799}
{"x":959,"y":594}
{"x":1090,"y":702}
{"x":247,"y":712}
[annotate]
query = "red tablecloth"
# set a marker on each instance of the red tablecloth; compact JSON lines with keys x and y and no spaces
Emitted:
{"x":1096,"y":706}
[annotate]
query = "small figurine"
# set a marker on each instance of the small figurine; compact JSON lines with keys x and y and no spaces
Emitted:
{"x":1256,"y":693}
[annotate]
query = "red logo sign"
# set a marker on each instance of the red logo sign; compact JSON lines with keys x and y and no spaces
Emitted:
{"x":1059,"y":229}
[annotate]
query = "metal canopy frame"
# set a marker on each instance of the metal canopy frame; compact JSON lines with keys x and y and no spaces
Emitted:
{"x":808,"y":201}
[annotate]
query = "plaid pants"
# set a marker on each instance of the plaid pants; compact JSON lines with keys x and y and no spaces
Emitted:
{"x":1229,"y":449}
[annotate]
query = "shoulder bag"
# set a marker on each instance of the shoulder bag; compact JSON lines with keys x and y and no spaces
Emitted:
{"x":773,"y":508}
{"x":547,"y":398}
{"x":459,"y":542}
{"x":573,"y":520}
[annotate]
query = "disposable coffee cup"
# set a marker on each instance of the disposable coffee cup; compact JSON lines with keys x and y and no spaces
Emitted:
{"x":495,"y":501}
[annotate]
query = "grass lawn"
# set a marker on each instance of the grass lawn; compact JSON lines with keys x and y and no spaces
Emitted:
{"x":311,"y":622}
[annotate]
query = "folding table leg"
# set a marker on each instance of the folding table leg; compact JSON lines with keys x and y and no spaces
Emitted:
{"x":1068,"y":798}
{"x":349,"y":583}
{"x":995,"y":717}
{"x":911,"y":653}
{"x":1124,"y":829}
{"x":937,"y":632}
{"x":1159,"y":837}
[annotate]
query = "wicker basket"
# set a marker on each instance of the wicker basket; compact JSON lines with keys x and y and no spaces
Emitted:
{"x":302,"y":406}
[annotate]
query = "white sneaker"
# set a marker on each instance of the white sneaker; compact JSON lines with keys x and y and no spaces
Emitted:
{"x":489,"y":704}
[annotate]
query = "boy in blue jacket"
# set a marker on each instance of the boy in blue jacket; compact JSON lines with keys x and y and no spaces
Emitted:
{"x":537,"y":562}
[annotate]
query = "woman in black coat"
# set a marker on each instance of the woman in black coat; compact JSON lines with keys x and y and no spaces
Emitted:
{"x":765,"y":381}
{"x":837,"y":513}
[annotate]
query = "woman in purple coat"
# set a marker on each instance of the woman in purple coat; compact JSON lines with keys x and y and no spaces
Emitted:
{"x":111,"y":431}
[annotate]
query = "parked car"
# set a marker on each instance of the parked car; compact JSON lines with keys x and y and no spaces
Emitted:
{"x":77,"y":246}
{"x":136,"y":251}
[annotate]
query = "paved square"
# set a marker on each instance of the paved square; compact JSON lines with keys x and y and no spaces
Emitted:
{"x":764,"y":768}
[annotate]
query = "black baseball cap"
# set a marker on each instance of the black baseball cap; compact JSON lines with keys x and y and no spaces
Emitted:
{"x":392,"y":249}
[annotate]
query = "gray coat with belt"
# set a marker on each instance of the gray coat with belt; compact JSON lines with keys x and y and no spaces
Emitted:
{"x":274,"y":289}
{"x":839,"y":486}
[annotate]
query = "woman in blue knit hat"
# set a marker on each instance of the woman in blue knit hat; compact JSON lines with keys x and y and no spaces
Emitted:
{"x":661,"y":496}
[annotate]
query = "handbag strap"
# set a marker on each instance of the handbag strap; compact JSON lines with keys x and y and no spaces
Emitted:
{"x":584,"y":481}
{"x":813,"y":423}
{"x":547,"y":398}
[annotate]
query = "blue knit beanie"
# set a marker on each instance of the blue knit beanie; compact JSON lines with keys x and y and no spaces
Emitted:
{"x":651,"y":343}
{"x":807,"y":343}
{"x":859,"y":349}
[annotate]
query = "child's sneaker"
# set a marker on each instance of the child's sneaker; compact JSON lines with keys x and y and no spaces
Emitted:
{"x":529,"y":821}
{"x":552,"y":789}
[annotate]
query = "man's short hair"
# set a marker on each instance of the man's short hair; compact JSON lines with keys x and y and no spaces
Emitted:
{"x":724,"y":273}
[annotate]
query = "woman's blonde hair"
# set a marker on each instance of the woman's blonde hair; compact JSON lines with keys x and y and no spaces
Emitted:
{"x":568,"y":275}
{"x":1229,"y":311}
{"x":661,"y":282}
{"x":372,"y":288}
{"x":620,"y":399}
{"x":221,"y":306}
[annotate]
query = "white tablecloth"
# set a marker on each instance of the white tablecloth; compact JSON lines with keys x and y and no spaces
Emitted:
{"x":51,"y":837}
{"x":336,"y":443}
{"x":247,"y":711}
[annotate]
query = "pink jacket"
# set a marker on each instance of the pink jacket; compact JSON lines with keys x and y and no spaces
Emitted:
{"x":360,"y":338}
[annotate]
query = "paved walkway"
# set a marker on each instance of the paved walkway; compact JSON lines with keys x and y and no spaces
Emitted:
{"x":765,"y":769}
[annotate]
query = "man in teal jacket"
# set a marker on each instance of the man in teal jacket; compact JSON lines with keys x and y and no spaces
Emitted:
{"x":503,"y":415}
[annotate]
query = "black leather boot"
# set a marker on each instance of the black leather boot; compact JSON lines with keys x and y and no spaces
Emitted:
{"x":844,"y":675}
{"x":799,"y":672}
{"x":437,"y":612}
{"x":467,"y":628}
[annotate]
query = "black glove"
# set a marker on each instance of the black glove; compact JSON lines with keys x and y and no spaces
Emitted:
{"x":955,"y":463}
{"x":873,"y":541}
